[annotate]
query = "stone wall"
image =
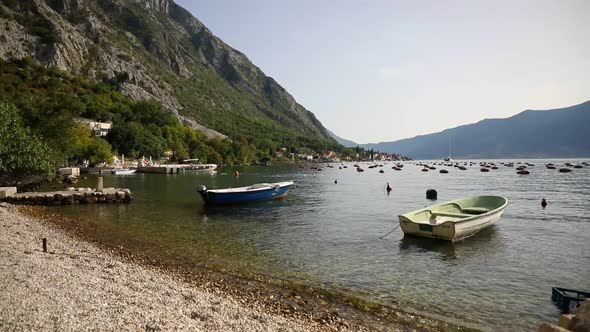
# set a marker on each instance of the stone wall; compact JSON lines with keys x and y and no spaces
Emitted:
{"x":71,"y":196}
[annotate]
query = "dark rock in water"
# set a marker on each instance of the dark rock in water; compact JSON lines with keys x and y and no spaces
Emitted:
{"x":484,"y":170}
{"x":578,"y":166}
{"x":564,"y":170}
{"x":463,"y":168}
{"x":521,"y":167}
{"x":443,"y":171}
{"x":495,"y":167}
{"x":431,"y":194}
{"x":71,"y":179}
{"x":381,"y":171}
{"x":425,"y":170}
{"x":543,"y":203}
{"x":523,"y":172}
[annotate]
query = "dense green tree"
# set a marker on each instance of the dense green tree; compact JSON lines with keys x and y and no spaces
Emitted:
{"x":133,"y":140}
{"x":21,"y":152}
{"x":86,"y":146}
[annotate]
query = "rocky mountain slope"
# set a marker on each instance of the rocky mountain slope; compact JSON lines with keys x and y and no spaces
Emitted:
{"x":155,"y":49}
{"x":557,"y":133}
{"x":347,"y":143}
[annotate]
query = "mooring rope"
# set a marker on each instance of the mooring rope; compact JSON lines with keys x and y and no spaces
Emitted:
{"x":390,"y":231}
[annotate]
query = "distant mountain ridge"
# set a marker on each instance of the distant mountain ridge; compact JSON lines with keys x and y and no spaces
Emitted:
{"x":559,"y":133}
{"x":343,"y":141}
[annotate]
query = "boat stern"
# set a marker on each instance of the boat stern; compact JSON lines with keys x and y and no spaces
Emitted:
{"x":436,"y":230}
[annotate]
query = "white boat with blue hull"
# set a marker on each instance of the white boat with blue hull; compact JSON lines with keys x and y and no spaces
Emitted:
{"x":254,"y":193}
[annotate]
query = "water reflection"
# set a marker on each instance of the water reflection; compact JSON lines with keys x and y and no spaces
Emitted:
{"x":446,"y":250}
{"x":327,"y":233}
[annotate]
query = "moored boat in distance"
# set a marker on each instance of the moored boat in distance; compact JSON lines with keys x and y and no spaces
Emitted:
{"x":124,"y":171}
{"x":454,"y":220}
{"x":195,"y":165}
{"x":254,"y":193}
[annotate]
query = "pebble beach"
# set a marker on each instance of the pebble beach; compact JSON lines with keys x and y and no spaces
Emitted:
{"x":76,"y":285}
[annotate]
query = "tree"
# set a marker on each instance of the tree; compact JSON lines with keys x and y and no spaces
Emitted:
{"x":86,"y":146}
{"x":22,"y":153}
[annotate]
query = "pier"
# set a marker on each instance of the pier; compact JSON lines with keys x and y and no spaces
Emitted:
{"x":159,"y":169}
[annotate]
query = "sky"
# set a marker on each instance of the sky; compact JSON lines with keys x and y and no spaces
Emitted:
{"x":382,"y":70}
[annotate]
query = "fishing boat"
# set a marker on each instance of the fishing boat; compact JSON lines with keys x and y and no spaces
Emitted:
{"x":454,"y":220}
{"x":253,"y":193}
{"x":123,"y":170}
{"x":195,"y":165}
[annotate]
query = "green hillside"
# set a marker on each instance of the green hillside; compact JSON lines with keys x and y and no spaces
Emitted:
{"x":156,"y":50}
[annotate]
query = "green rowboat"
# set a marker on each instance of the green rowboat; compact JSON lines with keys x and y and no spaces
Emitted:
{"x":454,"y":220}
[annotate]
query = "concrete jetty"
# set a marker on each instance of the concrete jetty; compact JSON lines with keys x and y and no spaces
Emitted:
{"x":176,"y":168}
{"x":156,"y":169}
{"x":70,"y":196}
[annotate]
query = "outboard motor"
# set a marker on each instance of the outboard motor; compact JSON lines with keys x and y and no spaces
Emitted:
{"x":201,"y":188}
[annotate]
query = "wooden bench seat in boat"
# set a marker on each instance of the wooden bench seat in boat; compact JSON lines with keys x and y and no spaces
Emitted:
{"x":475,"y":210}
{"x":450,"y":214}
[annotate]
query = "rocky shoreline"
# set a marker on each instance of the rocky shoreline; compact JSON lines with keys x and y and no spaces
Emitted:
{"x":80,"y":285}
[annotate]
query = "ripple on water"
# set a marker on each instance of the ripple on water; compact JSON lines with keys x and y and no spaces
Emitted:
{"x":328,"y":235}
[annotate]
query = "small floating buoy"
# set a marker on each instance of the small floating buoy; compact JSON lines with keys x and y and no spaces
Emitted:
{"x":431,"y":194}
{"x":484,"y":170}
{"x":336,"y":181}
{"x":443,"y":171}
{"x":381,"y":171}
{"x":543,"y":203}
{"x":388,"y":187}
{"x":523,"y":172}
{"x":564,"y":170}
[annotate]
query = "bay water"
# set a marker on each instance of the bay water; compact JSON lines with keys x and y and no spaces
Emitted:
{"x":327,"y":234}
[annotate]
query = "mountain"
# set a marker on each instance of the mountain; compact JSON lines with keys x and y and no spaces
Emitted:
{"x":343,"y":141}
{"x":156,"y":49}
{"x":558,"y":133}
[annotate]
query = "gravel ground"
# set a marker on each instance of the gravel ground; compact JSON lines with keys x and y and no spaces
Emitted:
{"x":78,"y":286}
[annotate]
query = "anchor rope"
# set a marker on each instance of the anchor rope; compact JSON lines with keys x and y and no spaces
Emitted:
{"x":396,"y":227}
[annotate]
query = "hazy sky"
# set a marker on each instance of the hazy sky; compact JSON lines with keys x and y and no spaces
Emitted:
{"x":381,"y":70}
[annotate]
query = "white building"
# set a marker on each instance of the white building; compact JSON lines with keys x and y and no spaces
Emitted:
{"x":101,"y":129}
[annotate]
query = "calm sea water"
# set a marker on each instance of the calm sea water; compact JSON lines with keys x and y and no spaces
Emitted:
{"x":328,"y":235}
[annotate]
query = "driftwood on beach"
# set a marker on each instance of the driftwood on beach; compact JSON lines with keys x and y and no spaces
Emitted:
{"x":71,"y":196}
